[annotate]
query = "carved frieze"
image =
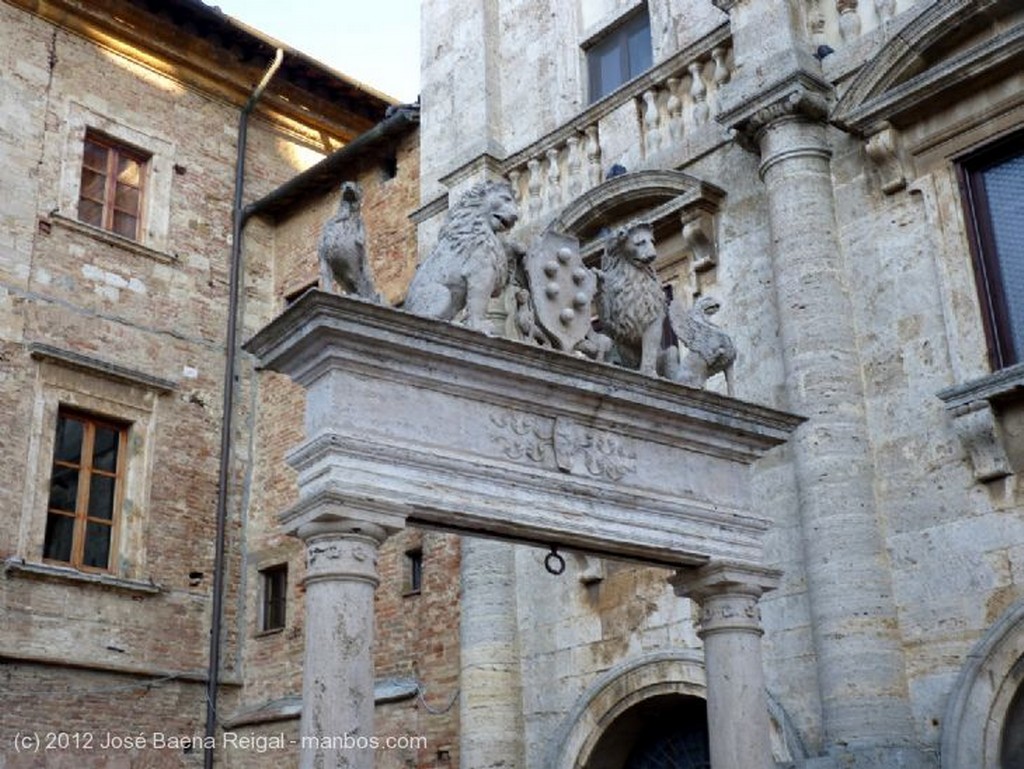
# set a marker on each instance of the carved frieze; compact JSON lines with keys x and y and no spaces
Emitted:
{"x":571,"y":446}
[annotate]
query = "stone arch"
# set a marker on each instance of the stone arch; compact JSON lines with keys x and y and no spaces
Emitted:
{"x":651,"y":676}
{"x":655,"y":195}
{"x":943,"y":50}
{"x":988,"y":691}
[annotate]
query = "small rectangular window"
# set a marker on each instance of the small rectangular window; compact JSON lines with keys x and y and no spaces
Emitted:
{"x":275,"y":597}
{"x":413,"y":571}
{"x":993,"y":184}
{"x":620,"y":55}
{"x":112,"y":185}
{"x":85,"y":489}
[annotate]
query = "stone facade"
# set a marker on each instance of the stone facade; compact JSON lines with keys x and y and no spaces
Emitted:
{"x":799,"y":160}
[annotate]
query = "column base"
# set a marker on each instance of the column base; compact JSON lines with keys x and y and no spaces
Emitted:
{"x":893,"y":757}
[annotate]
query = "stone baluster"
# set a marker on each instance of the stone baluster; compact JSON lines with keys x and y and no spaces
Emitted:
{"x":849,"y":19}
{"x":730,"y":626}
{"x":593,"y":155}
{"x":337,"y":671}
{"x":513,"y":180}
{"x":533,"y":186}
{"x":699,"y":93}
{"x":886,"y":9}
{"x":816,"y":23}
{"x":554,"y":177}
{"x":652,"y":121}
{"x":721,"y":74}
{"x":674,"y":108}
{"x":573,"y":165}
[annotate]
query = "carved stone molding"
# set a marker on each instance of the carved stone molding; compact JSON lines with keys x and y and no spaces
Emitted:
{"x":978,"y":429}
{"x":572,"y":447}
{"x":802,"y":96}
{"x":978,"y":411}
{"x":884,"y":151}
{"x":699,"y":237}
{"x":892,"y":83}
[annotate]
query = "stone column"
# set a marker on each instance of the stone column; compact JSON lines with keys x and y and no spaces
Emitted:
{"x":730,"y":626}
{"x":860,"y":665}
{"x":337,"y":678}
{"x":490,"y":705}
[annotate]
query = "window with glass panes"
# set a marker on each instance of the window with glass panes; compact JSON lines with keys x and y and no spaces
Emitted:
{"x":620,"y":55}
{"x":111,"y":192}
{"x":993,"y":183}
{"x":85,"y":490}
{"x":275,"y":597}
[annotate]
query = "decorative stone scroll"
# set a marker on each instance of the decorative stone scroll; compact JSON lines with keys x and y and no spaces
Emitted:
{"x":573,"y":447}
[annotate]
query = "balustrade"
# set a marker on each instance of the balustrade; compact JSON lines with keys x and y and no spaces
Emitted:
{"x":675,"y":100}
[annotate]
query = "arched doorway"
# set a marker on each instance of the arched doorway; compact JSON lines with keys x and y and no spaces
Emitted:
{"x":664,"y":732}
{"x":1011,"y":749}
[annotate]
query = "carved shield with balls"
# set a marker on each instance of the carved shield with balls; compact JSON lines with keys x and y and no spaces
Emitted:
{"x":562,"y":288}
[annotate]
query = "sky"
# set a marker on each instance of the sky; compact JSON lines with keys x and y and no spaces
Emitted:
{"x":376,"y":42}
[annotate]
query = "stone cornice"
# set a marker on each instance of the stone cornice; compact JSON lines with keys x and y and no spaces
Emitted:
{"x":101,"y":368}
{"x":873,"y":98}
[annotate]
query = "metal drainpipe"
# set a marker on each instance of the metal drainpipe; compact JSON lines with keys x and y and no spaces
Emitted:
{"x":234,"y":281}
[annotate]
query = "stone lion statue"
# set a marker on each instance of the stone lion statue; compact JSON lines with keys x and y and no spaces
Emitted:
{"x":711,"y":350}
{"x":470,"y":263}
{"x":631,"y":307}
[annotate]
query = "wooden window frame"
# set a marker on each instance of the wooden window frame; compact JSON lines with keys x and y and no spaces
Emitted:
{"x":617,"y":36}
{"x":273,"y":598}
{"x":86,"y":471}
{"x":115,"y":151}
{"x":984,"y":253}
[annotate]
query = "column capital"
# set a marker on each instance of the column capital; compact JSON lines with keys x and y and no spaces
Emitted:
{"x":331,"y":513}
{"x":725,"y":578}
{"x":802,"y":96}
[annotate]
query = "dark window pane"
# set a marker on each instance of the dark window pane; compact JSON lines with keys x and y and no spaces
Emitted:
{"x":63,"y":488}
{"x":639,"y":50}
{"x":275,"y":587}
{"x":125,"y":224}
{"x":105,"y":445}
{"x":97,"y":545}
{"x":621,"y":56}
{"x":59,"y":533}
{"x":127,"y":199}
{"x":101,"y":497}
{"x":1004,"y":187}
{"x":95,"y":156}
{"x":90,"y":212}
{"x":68,"y":446}
{"x":93,"y":185}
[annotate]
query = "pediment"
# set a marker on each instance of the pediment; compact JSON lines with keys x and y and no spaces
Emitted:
{"x":652,"y":195}
{"x":951,"y":48}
